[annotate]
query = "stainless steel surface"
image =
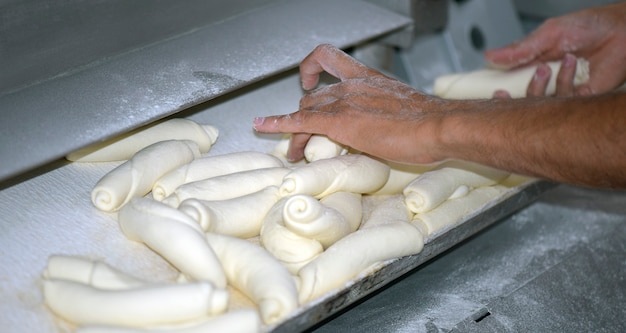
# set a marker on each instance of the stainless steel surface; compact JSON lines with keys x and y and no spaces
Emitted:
{"x":138,"y":77}
{"x":557,"y":265}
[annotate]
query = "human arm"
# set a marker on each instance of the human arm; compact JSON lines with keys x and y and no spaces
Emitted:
{"x":579,"y":140}
{"x":597,"y":34}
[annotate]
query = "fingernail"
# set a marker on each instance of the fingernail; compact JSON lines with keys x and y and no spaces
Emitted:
{"x":541,"y":72}
{"x":258,"y":121}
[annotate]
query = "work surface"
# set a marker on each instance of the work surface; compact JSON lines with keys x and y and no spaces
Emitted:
{"x":558,"y":265}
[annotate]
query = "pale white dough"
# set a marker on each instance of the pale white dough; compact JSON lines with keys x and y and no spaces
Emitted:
{"x":154,"y":304}
{"x":321,"y":147}
{"x":452,"y":179}
{"x":355,"y":253}
{"x":325,"y":220}
{"x":125,"y":146}
{"x":256,"y":273}
{"x":239,"y":217}
{"x":228,"y":186}
{"x":175,"y":236}
{"x":451,"y":212}
{"x":347,"y":173}
{"x":400,"y":175}
{"x":291,"y":249}
{"x":135,"y":177}
{"x":92,"y":272}
{"x":484,"y":82}
{"x":234,"y":321}
{"x":212,"y":166}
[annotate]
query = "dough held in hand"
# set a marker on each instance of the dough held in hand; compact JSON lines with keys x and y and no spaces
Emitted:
{"x":228,"y":186}
{"x":173,"y":235}
{"x":154,"y":304}
{"x":347,"y":173}
{"x":257,"y":274}
{"x":484,"y":82}
{"x":124,"y":147}
{"x":238,"y":217}
{"x":450,"y":180}
{"x":212,"y":166}
{"x":135,"y":177}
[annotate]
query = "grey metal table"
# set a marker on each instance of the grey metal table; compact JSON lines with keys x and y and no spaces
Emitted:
{"x":558,"y":265}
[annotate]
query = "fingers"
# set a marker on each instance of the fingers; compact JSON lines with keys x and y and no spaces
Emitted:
{"x":565,"y":78}
{"x":540,"y":81}
{"x":327,"y":58}
{"x":291,"y":123}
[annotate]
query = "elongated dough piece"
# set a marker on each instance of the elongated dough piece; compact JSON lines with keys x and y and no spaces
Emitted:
{"x":154,"y":304}
{"x":175,"y":236}
{"x":451,"y":180}
{"x":135,"y":177}
{"x":483,"y":83}
{"x":355,"y":173}
{"x":234,"y":321}
{"x":291,"y":249}
{"x":326,"y":220}
{"x":212,"y":166}
{"x":92,"y":272}
{"x":124,"y":147}
{"x":238,"y":217}
{"x":400,"y":176}
{"x":257,"y":274}
{"x":320,"y":147}
{"x":228,"y":186}
{"x":355,"y":253}
{"x":451,"y":212}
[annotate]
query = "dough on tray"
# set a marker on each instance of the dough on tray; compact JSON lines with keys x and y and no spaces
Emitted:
{"x":124,"y":147}
{"x":212,"y":166}
{"x":92,"y":272}
{"x":135,"y":177}
{"x":228,"y":186}
{"x":355,"y":173}
{"x":484,"y":82}
{"x":386,"y":235}
{"x":239,"y":217}
{"x":320,"y":147}
{"x":175,"y":236}
{"x":401,"y":175}
{"x":257,"y":274}
{"x":154,"y":304}
{"x":450,"y":180}
{"x":234,"y":321}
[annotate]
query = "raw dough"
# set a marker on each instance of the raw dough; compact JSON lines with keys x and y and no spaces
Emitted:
{"x":234,"y":321}
{"x":175,"y":236}
{"x":228,"y":186}
{"x":135,"y":177}
{"x":125,"y":146}
{"x":452,"y":179}
{"x":347,"y":173}
{"x":453,"y":211}
{"x":383,"y":239}
{"x":483,"y":83}
{"x":325,"y":220}
{"x":212,"y":166}
{"x":154,"y":304}
{"x":239,"y":217}
{"x":95,"y":273}
{"x":256,"y":273}
{"x":400,"y":175}
{"x":321,"y":147}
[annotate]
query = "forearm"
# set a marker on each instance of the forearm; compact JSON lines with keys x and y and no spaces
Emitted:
{"x":579,"y":140}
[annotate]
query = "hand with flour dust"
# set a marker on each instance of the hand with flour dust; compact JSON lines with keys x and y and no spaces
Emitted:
{"x":597,"y":34}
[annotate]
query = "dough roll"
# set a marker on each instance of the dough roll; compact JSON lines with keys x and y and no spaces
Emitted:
{"x":321,"y":147}
{"x":228,"y":186}
{"x":154,"y":304}
{"x":212,"y":166}
{"x":400,"y":176}
{"x":257,"y":274}
{"x":135,"y":177}
{"x":95,"y":273}
{"x":235,"y":321}
{"x":484,"y":82}
{"x":173,"y":235}
{"x":124,"y":147}
{"x":451,"y":180}
{"x":238,"y":217}
{"x":347,"y":173}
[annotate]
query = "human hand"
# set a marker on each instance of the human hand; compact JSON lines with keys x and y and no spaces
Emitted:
{"x":366,"y":110}
{"x":597,"y":34}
